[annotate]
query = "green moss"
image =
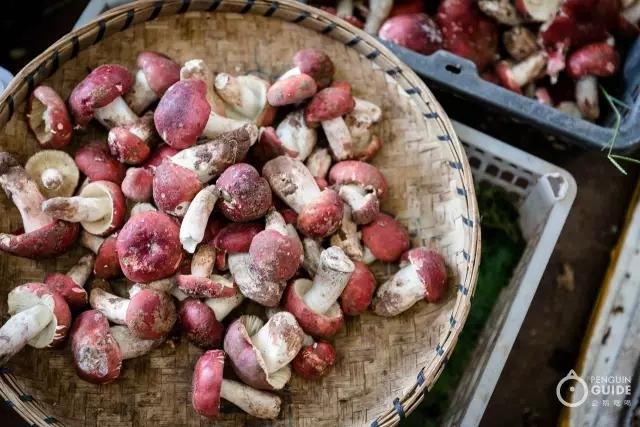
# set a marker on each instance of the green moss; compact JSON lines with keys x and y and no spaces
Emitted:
{"x":502,"y":247}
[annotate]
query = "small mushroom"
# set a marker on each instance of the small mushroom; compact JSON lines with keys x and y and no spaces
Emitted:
{"x":106,"y":265}
{"x":137,"y":185}
{"x":314,"y":303}
{"x":99,"y":96}
{"x":130,"y":144}
{"x":98,"y":350}
{"x":148,"y":247}
{"x":148,"y":314}
{"x":198,"y":322}
{"x":423,"y":275}
{"x":54,"y":171}
{"x":385,"y":238}
{"x":415,"y":31}
{"x":193,"y":227}
{"x":314,"y":360}
{"x":244,"y":194}
{"x":43,"y":235}
{"x":200,"y":282}
{"x":96,"y":162}
{"x":347,"y":237}
{"x":156,"y":72}
{"x":260,"y":353}
{"x":247,"y":98}
{"x":514,"y":77}
{"x":312,"y":62}
{"x":291,"y":90}
{"x":357,"y":295}
{"x":48,"y":118}
{"x":361,"y":186}
{"x":179,"y":178}
{"x":209,"y":387}
{"x":39,"y":317}
{"x":70,"y":285}
{"x":319,"y":212}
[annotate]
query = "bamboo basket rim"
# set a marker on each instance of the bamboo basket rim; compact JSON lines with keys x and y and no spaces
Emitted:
{"x":121,"y":18}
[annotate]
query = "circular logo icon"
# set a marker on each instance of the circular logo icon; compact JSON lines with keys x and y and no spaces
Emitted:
{"x":578,"y":388}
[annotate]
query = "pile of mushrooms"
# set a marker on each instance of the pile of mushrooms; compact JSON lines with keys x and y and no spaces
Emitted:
{"x":199,"y":210}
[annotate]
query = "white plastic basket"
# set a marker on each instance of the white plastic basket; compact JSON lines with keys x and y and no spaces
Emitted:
{"x":545,"y":194}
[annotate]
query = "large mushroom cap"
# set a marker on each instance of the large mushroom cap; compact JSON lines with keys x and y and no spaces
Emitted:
{"x":96,"y":354}
{"x":207,"y":382}
{"x":274,"y":256}
{"x":104,"y":84}
{"x":322,"y":216}
{"x":150,"y":314}
{"x":48,"y":118}
{"x":245,"y":195}
{"x":360,"y":173}
{"x":96,"y":162}
{"x":199,"y":323}
{"x":159,"y":70}
{"x":432,"y":271}
{"x":54,"y":171}
{"x":386,"y":238}
{"x":316,"y":324}
{"x":30,"y":294}
{"x":317,"y":64}
{"x":148,"y":247}
{"x":158,"y":155}
{"x":415,"y":31}
{"x":174,"y":187}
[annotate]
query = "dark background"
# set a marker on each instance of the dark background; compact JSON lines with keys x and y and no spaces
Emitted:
{"x":549,"y":341}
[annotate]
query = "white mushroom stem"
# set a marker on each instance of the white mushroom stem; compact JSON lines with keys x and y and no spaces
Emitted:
{"x":91,"y":241}
{"x":198,"y":69}
{"x":587,"y":97}
{"x":272,"y":311}
{"x":344,"y":8}
{"x":257,"y":403}
{"x":312,"y":250}
{"x":21,"y":328}
{"x":279,"y":340}
{"x":338,"y":137}
{"x":24,"y":194}
{"x":347,"y":237}
{"x":139,"y":208}
{"x":378,"y":12}
{"x":80,"y":272}
{"x":356,"y":196}
{"x":236,"y":92}
{"x":291,"y":181}
{"x":195,"y":220}
{"x":51,"y":179}
{"x":399,"y":293}
{"x":117,"y":113}
{"x":319,"y":162}
{"x":131,"y":346}
{"x":78,"y":208}
{"x":526,"y":71}
{"x":295,"y":135}
{"x":112,"y":306}
{"x":203,"y":261}
{"x":218,"y":125}
{"x":223,"y":306}
{"x":333,"y":274}
{"x":141,"y":95}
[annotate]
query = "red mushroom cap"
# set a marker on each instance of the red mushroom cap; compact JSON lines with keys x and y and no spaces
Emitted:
{"x":127,"y":147}
{"x":74,"y":294}
{"x":159,"y":70}
{"x":199,"y":324}
{"x":275,"y":257}
{"x":314,"y":361}
{"x":237,"y":237}
{"x":96,"y":162}
{"x":315,"y":63}
{"x":159,"y":154}
{"x":182,"y":113}
{"x":330,"y":103}
{"x":107,"y":265}
{"x":207,"y":382}
{"x":174,"y":187}
{"x":572,"y":31}
{"x":322,"y":216}
{"x":432,"y":270}
{"x":357,"y":295}
{"x":289,"y":215}
{"x":503,"y":71}
{"x":104,"y":84}
{"x":597,"y":59}
{"x":320,"y":325}
{"x":46,"y":242}
{"x":55,"y":130}
{"x":361,"y":173}
{"x":96,"y":354}
{"x":206,"y":287}
{"x":386,"y":238}
{"x":138,"y":184}
{"x":291,"y":90}
{"x":245,"y":195}
{"x":417,"y":32}
{"x":150,"y":314}
{"x":148,"y":247}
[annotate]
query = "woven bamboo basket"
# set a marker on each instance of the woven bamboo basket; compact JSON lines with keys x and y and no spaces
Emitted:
{"x":385,"y":366}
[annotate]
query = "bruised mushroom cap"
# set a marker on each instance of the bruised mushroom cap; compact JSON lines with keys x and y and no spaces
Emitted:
{"x":322,"y":216}
{"x":96,"y":162}
{"x":48,"y":118}
{"x":291,"y":90}
{"x":96,"y":354}
{"x":182,"y":113}
{"x":330,"y":103}
{"x":432,"y":271}
{"x":104,"y":84}
{"x":138,"y":184}
{"x":148,"y":247}
{"x":597,"y":59}
{"x":54,"y":171}
{"x":317,"y":64}
{"x":207,"y":383}
{"x":416,"y":31}
{"x":275,"y":257}
{"x":314,"y":361}
{"x":357,"y":295}
{"x":361,"y":173}
{"x":150,"y":314}
{"x":174,"y":187}
{"x":199,"y":324}
{"x":245,"y":195}
{"x":319,"y":325}
{"x":237,"y":237}
{"x":386,"y":238}
{"x":30,"y":294}
{"x":159,"y":70}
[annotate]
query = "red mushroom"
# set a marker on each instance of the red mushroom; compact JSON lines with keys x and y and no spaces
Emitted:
{"x":148,"y":314}
{"x":416,"y":31}
{"x":70,"y":285}
{"x":314,"y":303}
{"x":96,"y":162}
{"x":385,"y":238}
{"x":100,"y":208}
{"x":596,"y":59}
{"x":291,"y":90}
{"x":234,"y":238}
{"x":357,"y":295}
{"x":194,"y":225}
{"x":319,"y":212}
{"x":48,"y":118}
{"x":99,"y":96}
{"x":43,"y":235}
{"x":246,"y":97}
{"x":314,"y":360}
{"x":199,"y":70}
{"x":130,"y":144}
{"x":199,"y":324}
{"x":422,"y":276}
{"x":312,"y":62}
{"x":137,"y":185}
{"x":209,"y":387}
{"x":244,"y":194}
{"x":39,"y":317}
{"x":513,"y":77}
{"x":106,"y":265}
{"x":156,"y":72}
{"x":148,"y":247}
{"x":260,"y":353}
{"x":200,"y":282}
